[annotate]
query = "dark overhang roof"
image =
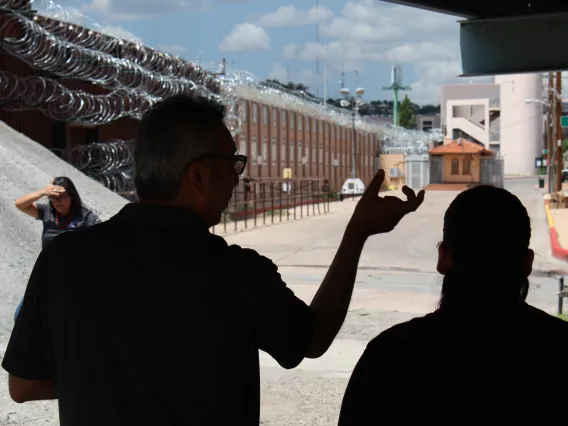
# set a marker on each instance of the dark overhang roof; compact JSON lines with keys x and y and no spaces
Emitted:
{"x":472,"y":9}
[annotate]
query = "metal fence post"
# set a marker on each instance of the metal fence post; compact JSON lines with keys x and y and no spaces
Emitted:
{"x":561,"y":296}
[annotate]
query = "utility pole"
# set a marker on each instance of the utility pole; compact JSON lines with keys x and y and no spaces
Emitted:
{"x":558,"y":104}
{"x":223,"y":68}
{"x":550,"y":132}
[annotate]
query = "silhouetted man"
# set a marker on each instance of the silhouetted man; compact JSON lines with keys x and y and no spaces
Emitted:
{"x":149,"y":319}
{"x":484,"y":356}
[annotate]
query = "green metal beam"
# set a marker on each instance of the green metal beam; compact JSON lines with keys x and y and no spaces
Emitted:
{"x":514,"y":45}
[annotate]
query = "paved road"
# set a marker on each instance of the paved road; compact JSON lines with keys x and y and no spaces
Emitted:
{"x":410,"y":247}
{"x":396,"y":281}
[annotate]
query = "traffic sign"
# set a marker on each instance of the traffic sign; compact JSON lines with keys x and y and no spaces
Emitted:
{"x":564,"y":121}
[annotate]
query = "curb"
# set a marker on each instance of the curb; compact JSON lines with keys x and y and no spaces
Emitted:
{"x":557,"y":250}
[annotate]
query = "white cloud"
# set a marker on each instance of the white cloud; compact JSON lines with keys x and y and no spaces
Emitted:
{"x":290,"y":16}
{"x":120,"y":32}
{"x":245,"y":37}
{"x":172,"y":49}
{"x":290,"y":51}
{"x":284,"y":75}
{"x":279,"y":72}
{"x":135,"y":10}
{"x":370,"y":31}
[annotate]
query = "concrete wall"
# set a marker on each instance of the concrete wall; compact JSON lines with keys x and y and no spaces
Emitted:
{"x":466,"y":115}
{"x":428,"y":122}
{"x":466,"y":91}
{"x":389,"y":161}
{"x":521,"y":122}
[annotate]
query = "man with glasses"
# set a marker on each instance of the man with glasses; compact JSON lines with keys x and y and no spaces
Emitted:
{"x":151,"y":319}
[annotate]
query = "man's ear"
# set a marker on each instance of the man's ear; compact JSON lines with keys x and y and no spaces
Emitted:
{"x":194,"y":176}
{"x":529,"y":263}
{"x":444,"y":259}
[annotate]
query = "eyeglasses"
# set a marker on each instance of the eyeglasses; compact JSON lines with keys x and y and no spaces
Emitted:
{"x":239,"y":161}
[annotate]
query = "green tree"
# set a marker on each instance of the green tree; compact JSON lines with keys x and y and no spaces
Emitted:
{"x":406,"y":114}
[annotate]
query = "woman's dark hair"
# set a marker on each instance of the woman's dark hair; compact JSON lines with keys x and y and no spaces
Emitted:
{"x":76,"y":208}
{"x":487,"y":232}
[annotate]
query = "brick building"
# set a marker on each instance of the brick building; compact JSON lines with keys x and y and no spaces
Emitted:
{"x":310,"y":143}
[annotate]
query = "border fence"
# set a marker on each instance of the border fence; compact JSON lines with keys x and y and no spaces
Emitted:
{"x":264,"y":201}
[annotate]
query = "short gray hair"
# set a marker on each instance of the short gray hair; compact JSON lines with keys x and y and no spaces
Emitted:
{"x":171,"y":134}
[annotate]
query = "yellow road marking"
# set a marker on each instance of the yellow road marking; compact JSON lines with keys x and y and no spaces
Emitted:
{"x":549,"y":216}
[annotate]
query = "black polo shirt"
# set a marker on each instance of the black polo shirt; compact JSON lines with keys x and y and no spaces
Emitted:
{"x":149,"y":319}
{"x":441,"y":370}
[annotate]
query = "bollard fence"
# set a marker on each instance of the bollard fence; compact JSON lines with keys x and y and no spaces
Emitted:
{"x":262,"y":201}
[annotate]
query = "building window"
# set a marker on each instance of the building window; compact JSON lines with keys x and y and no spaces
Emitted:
{"x":322,"y":124}
{"x":264,"y":115}
{"x":321,"y":154}
{"x":466,"y":166}
{"x":300,"y":121}
{"x":273,"y":152}
{"x":307,"y":124}
{"x":326,"y":131}
{"x":455,"y":166}
{"x":283,"y":152}
{"x":243,"y":144}
{"x":253,"y":151}
{"x":274,"y":116}
{"x":254,"y":113}
{"x":264,"y":150}
{"x":244,"y":111}
{"x":292,"y":120}
{"x":292,"y":148}
{"x":283,"y":119}
{"x":300,"y":151}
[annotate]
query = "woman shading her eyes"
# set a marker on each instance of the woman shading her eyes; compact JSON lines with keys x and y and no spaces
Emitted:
{"x":63,"y":212}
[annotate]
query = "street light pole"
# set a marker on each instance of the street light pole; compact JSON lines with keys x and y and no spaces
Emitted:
{"x":558,"y":109}
{"x":551,"y":131}
{"x":551,"y":128}
{"x":354,"y":146}
{"x":353,"y":103}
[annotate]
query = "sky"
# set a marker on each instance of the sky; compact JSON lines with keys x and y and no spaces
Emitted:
{"x":284,"y":39}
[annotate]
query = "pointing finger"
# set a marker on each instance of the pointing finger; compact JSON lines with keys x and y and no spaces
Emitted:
{"x":375,"y":185}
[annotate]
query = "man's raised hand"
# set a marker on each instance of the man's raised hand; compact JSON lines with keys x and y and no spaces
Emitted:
{"x":377,"y":215}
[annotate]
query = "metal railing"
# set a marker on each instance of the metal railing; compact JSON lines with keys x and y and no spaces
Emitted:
{"x":265,"y":201}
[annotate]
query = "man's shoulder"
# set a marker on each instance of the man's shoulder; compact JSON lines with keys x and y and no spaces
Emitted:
{"x":544,"y":321}
{"x":411,"y":332}
{"x":248,"y":256}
